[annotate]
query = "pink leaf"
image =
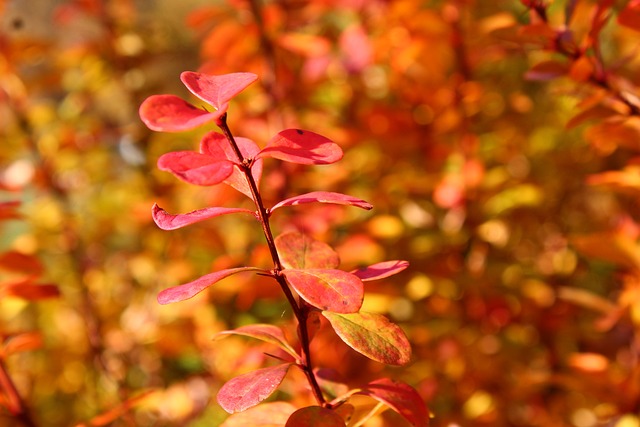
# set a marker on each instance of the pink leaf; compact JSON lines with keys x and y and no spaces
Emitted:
{"x":169,"y":113}
{"x":217,"y":90}
{"x":380,"y":270}
{"x":188,"y":290}
{"x":332,"y":290}
{"x":315,"y":416}
{"x":300,"y":251}
{"x":302,"y":146}
{"x":195,"y":168}
{"x":323,"y":197}
{"x":400,"y":397}
{"x":272,"y":414}
{"x":249,"y":389}
{"x":372,"y":335}
{"x":264,"y":332}
{"x":216,"y":145}
{"x":167,"y":221}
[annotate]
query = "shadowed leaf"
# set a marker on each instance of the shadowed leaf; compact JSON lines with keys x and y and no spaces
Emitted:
{"x":300,"y":251}
{"x":169,"y":113}
{"x":400,"y":397}
{"x":217,"y":90}
{"x":28,"y":290}
{"x":332,"y":290}
{"x":323,"y":197}
{"x":272,"y":414}
{"x":303,"y":147}
{"x":167,"y":221}
{"x":19,"y":262}
{"x":195,"y":168}
{"x":380,"y":270}
{"x":315,"y":416}
{"x":264,"y":332}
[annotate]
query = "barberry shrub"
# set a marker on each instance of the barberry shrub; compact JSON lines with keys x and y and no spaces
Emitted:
{"x":305,"y":269}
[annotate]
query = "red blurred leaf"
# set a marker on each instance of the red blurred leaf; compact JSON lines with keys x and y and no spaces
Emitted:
{"x":264,"y":332}
{"x":22,"y":263}
{"x":249,"y":389}
{"x":630,"y":15}
{"x":625,"y":179}
{"x":272,"y":414}
{"x":169,"y":113}
{"x":25,"y":341}
{"x":400,"y":397}
{"x":380,"y":270}
{"x":217,"y":90}
{"x":300,"y":251}
{"x":332,"y":290}
{"x":217,"y":146}
{"x":308,"y":45}
{"x":315,"y":416}
{"x":330,"y":382}
{"x":108,"y":417}
{"x":9,"y":210}
{"x":195,"y":168}
{"x":168,"y":221}
{"x":547,"y":70}
{"x":372,"y":335}
{"x":303,"y":147}
{"x":595,"y":112}
{"x":356,"y":48}
{"x":323,"y":197}
{"x":614,"y":247}
{"x":28,"y":290}
{"x":188,"y":290}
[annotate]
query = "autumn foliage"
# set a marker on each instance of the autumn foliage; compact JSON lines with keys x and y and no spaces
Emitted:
{"x":346,"y":213}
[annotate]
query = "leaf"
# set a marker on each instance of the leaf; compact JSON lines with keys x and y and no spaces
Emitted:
{"x":272,"y":414}
{"x":400,"y":397}
{"x":380,"y":270}
{"x":9,"y":210}
{"x":167,"y":221}
{"x":195,"y":168}
{"x":332,"y":290}
{"x":28,"y":290}
{"x":217,"y":90}
{"x":216,"y":145}
{"x":299,"y":251}
{"x":302,"y":44}
{"x":630,"y":15}
{"x":25,"y":341}
{"x":303,"y":147}
{"x":614,"y":247}
{"x":547,"y":70}
{"x":264,"y":332}
{"x":22,"y":263}
{"x":188,"y":290}
{"x":110,"y":416}
{"x":315,"y":416}
{"x":330,"y":383}
{"x":323,"y":197}
{"x":372,"y":335}
{"x":249,"y":389}
{"x":169,"y":113}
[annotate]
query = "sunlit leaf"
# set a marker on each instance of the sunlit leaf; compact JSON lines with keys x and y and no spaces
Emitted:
{"x":217,"y":90}
{"x":315,"y":416}
{"x":264,"y":332}
{"x":300,"y":251}
{"x":630,"y":15}
{"x":400,"y":397}
{"x":9,"y":210}
{"x":26,"y":341}
{"x":323,"y":197}
{"x":308,"y":45}
{"x":372,"y":335}
{"x":28,"y":290}
{"x":303,"y":147}
{"x":19,"y":262}
{"x":326,"y":289}
{"x":195,"y":168}
{"x":168,"y":221}
{"x":272,"y":414}
{"x":249,"y":389}
{"x":169,"y":113}
{"x":380,"y":270}
{"x":617,"y":248}
{"x":188,"y":290}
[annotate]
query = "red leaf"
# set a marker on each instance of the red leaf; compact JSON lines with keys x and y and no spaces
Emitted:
{"x":25,"y":341}
{"x":22,"y":263}
{"x":217,"y":90}
{"x":547,"y":70}
{"x":272,"y":414}
{"x":117,"y":412}
{"x":630,"y":15}
{"x":315,"y":416}
{"x":380,"y":270}
{"x":167,"y":221}
{"x":332,"y":290}
{"x":30,"y":291}
{"x":267,"y":333}
{"x":300,"y":251}
{"x":169,"y":113}
{"x":9,"y":210}
{"x":249,"y":389}
{"x":372,"y":335}
{"x":216,"y":145}
{"x":303,"y":147}
{"x":356,"y":48}
{"x":400,"y":397}
{"x":195,"y":168}
{"x":188,"y":290}
{"x":323,"y":197}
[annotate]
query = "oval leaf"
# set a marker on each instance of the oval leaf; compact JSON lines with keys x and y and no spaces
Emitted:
{"x":249,"y":389}
{"x":380,"y":270}
{"x":323,"y":197}
{"x":332,"y":290}
{"x":315,"y":416}
{"x":169,"y":113}
{"x":300,"y":251}
{"x":167,"y":221}
{"x":272,"y":414}
{"x":372,"y":335}
{"x":303,"y":147}
{"x":28,"y":290}
{"x":264,"y":332}
{"x":21,"y":263}
{"x":188,"y":290}
{"x":217,"y":90}
{"x":400,"y":397}
{"x":195,"y":168}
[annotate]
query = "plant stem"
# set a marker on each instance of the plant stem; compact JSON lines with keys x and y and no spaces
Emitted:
{"x":300,"y":308}
{"x":14,"y":401}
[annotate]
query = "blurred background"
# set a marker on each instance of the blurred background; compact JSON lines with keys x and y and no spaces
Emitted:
{"x":499,"y":147}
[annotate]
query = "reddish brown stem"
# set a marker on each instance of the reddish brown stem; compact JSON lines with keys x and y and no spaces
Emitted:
{"x":14,"y":402}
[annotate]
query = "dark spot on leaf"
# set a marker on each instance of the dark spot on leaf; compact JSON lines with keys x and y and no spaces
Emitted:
{"x":17,"y":23}
{"x":299,"y":131}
